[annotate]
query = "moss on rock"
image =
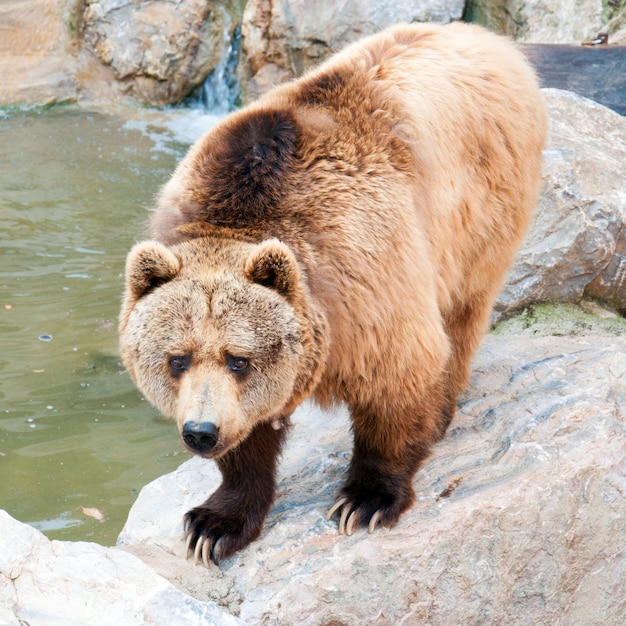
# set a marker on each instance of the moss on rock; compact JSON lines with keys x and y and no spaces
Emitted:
{"x":587,"y":318}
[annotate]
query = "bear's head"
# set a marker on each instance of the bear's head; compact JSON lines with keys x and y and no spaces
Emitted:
{"x":219,"y":335}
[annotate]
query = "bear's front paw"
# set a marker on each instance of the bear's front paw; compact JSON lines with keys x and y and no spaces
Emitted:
{"x":215,"y":534}
{"x":359,"y":507}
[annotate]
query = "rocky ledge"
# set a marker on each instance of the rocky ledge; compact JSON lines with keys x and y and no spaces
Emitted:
{"x":519,"y":519}
{"x":520,"y":510}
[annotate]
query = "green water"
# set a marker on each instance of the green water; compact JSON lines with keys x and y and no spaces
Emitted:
{"x":74,"y":432}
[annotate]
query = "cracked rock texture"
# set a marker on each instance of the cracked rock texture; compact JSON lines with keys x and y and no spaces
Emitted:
{"x":519,"y":516}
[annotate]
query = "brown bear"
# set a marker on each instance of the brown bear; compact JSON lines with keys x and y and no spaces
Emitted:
{"x":343,"y":238}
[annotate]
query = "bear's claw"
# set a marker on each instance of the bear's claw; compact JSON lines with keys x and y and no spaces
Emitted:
{"x":214,"y":534}
{"x":336,"y":507}
{"x":374,"y":521}
{"x":205,"y":550}
{"x":351,"y":516}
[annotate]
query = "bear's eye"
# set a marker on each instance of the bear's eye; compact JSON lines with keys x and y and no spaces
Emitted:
{"x":179,"y":364}
{"x":236,"y":363}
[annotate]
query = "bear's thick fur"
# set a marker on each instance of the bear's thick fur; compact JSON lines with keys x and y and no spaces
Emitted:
{"x":343,"y":238}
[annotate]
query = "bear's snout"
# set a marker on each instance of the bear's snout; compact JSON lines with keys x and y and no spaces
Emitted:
{"x":200,"y":437}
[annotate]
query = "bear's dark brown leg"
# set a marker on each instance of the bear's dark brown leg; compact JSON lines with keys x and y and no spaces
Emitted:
{"x":389,"y":447}
{"x":233,"y":516}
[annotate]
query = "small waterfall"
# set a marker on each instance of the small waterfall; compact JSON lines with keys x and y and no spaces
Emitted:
{"x":219,"y":93}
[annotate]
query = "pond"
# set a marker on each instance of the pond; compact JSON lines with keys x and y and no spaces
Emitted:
{"x":76,"y":438}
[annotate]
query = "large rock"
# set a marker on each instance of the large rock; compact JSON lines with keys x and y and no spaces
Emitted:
{"x":576,"y":245}
{"x":519,"y":516}
{"x":59,"y":582}
{"x":519,"y":519}
{"x":36,"y":52}
{"x":158,"y":51}
{"x":282,"y":39}
{"x":542,"y":21}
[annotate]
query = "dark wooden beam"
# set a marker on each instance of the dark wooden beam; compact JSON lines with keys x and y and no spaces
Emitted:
{"x":596,"y":72}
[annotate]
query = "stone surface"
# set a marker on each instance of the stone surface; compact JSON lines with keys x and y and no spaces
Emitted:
{"x":576,"y":245}
{"x":541,"y":21}
{"x":155,"y":52}
{"x":158,"y":51}
{"x":283,"y":38}
{"x":36,"y":52}
{"x":59,"y":582}
{"x":616,"y":29}
{"x":519,"y":515}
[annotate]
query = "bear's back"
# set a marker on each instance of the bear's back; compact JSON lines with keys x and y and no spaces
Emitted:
{"x":415,"y":126}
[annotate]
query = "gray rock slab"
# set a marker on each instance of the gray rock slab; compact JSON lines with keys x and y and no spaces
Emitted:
{"x":576,"y":245}
{"x":519,"y":515}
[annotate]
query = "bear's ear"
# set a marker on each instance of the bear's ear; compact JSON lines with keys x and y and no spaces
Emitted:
{"x":273,"y":265}
{"x":149,"y":264}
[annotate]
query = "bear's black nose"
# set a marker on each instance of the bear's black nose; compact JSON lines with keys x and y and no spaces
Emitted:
{"x":200,"y":437}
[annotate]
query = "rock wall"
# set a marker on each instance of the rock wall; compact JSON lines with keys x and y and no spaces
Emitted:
{"x":283,"y":38}
{"x":551,"y":21}
{"x":158,"y":51}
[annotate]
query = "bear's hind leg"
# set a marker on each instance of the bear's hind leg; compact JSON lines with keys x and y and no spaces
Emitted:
{"x":233,"y":516}
{"x":466,"y":327}
{"x":388,"y":450}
